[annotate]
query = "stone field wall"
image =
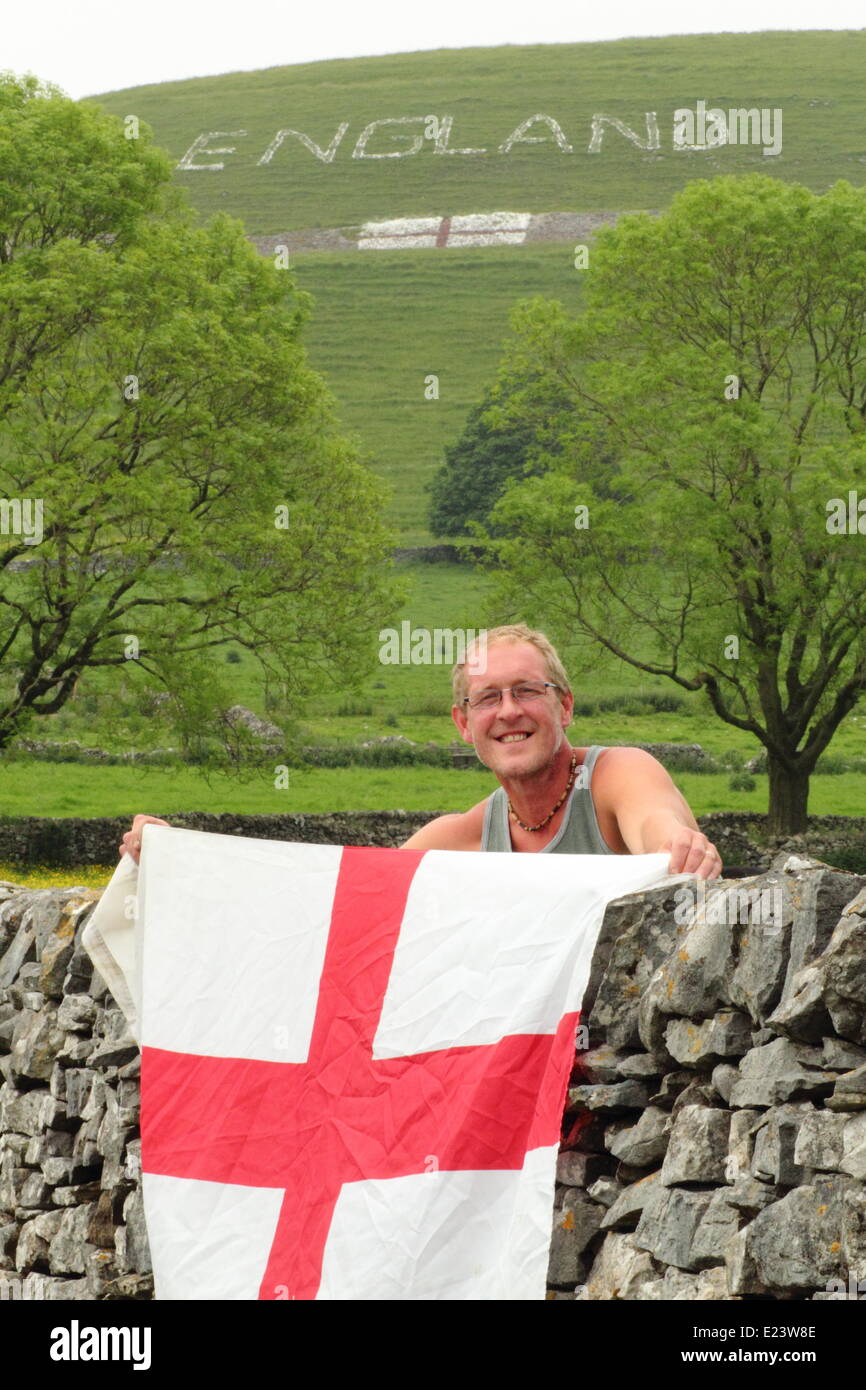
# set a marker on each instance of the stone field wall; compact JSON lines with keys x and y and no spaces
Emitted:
{"x":715,"y":1130}
{"x":76,"y":841}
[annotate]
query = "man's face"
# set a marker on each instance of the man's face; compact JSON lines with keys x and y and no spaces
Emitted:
{"x":512,"y":739}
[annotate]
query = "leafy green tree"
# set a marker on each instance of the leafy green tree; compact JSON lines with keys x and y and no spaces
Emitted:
{"x":723,"y":349}
{"x":171,"y":475}
{"x":520,"y":422}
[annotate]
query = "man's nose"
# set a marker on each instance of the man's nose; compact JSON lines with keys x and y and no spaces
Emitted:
{"x":508,"y":705}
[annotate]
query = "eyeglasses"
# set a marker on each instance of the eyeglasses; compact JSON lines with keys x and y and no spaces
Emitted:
{"x":524,"y":694}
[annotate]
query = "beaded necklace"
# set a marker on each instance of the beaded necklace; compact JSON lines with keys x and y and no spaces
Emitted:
{"x":542,"y":823}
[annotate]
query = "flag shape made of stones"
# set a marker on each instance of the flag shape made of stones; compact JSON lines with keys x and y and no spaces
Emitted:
{"x":354,"y":1061}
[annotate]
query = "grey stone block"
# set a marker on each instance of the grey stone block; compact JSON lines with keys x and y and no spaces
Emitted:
{"x":727,"y":1034}
{"x":698,"y":1147}
{"x":818,"y":1141}
{"x":780,"y":1071}
{"x":773,"y":1158}
{"x":849,"y":1093}
{"x":645,"y":1143}
{"x":618,"y":1271}
{"x":793,"y":1244}
{"x":668,"y":1224}
{"x":623,"y":1095}
{"x":624,"y":1213}
{"x":853,"y":1159}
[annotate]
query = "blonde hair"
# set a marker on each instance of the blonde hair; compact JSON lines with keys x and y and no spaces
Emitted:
{"x":513,"y":632}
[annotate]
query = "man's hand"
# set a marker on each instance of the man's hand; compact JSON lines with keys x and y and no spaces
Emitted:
{"x":692,"y":853}
{"x":131,"y":842}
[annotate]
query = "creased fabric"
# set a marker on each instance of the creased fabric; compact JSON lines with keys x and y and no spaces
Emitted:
{"x":354,"y":1061}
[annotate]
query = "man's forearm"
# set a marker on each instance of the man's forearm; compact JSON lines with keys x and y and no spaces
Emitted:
{"x":676,"y":833}
{"x":656,"y":832}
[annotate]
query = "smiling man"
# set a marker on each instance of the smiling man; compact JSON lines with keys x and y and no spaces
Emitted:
{"x":555,"y":798}
{"x":514,"y":707}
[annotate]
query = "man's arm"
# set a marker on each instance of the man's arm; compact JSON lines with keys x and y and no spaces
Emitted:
{"x":456,"y":830}
{"x":652,"y":815}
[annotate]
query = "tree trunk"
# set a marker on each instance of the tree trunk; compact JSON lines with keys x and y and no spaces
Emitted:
{"x":789,"y":798}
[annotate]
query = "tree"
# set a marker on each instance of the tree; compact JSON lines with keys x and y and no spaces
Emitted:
{"x":722,"y":348}
{"x":521,"y":420}
{"x":158,"y":415}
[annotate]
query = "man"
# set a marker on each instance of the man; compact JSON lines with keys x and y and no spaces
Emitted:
{"x":514,"y":707}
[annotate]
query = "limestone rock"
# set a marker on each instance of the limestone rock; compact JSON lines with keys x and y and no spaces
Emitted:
{"x":793,"y":1244}
{"x":779,"y":1071}
{"x":625,"y":1211}
{"x":69,"y":1248}
{"x":698,"y":1147}
{"x":641,"y":1066}
{"x":727,"y":1034}
{"x":775,"y":1139}
{"x":818,"y":1141}
{"x":574,"y":1169}
{"x":738,"y":1164}
{"x":604,"y":1190}
{"x":820,"y":898}
{"x":645,"y":1143}
{"x":34,"y":1045}
{"x":668,"y":1224}
{"x":849,"y":1093}
{"x":710,"y":1285}
{"x":723,"y":1077}
{"x":77,"y":1013}
{"x":618,"y":1271}
{"x":854,"y":1147}
{"x":623,"y":1095}
{"x":637,"y":934}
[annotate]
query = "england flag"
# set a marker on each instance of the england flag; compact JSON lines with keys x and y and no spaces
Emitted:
{"x":354,"y":1061}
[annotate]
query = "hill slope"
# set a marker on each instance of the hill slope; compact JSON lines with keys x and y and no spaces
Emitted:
{"x":397,"y":170}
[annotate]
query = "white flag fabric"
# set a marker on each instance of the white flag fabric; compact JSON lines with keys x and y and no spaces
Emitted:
{"x":354,"y":1061}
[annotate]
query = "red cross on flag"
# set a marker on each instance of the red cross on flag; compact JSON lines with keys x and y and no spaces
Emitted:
{"x":354,"y":1061}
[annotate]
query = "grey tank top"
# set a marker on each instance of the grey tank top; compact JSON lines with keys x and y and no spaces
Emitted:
{"x":579,"y":832}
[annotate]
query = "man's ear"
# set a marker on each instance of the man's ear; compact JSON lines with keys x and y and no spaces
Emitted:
{"x":567,"y":710}
{"x":462,"y":722}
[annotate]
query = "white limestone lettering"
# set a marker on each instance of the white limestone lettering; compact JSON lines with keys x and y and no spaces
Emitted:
{"x":403,"y":137}
{"x":200,"y":146}
{"x":326,"y":156}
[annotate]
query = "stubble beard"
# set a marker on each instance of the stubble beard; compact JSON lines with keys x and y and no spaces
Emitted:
{"x":539,"y":763}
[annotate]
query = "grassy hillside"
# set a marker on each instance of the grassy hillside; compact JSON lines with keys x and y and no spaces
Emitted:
{"x":815,"y":78}
{"x":385,"y":320}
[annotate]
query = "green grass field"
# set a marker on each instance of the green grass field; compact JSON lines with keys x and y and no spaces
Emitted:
{"x":412,"y":701}
{"x":51,"y":789}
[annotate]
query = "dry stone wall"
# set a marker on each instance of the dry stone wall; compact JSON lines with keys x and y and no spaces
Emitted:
{"x":740,"y":836}
{"x":715,"y":1128}
{"x":71,"y":1215}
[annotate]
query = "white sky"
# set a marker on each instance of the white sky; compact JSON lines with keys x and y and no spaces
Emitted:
{"x":92,"y":46}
